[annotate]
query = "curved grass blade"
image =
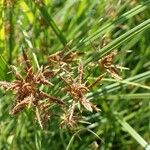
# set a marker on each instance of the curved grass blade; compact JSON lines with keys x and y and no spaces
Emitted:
{"x":132,"y":132}
{"x":145,"y":96}
{"x":117,"y":86}
{"x":76,"y":133}
{"x":129,"y":83}
{"x":120,"y":40}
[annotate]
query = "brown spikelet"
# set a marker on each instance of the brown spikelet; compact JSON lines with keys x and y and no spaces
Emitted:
{"x":87,"y":104}
{"x":63,"y":57}
{"x":77,"y":89}
{"x":97,"y":80}
{"x":44,"y":95}
{"x":30,"y":84}
{"x":68,"y":118}
{"x":27,"y":92}
{"x":106,"y":63}
{"x":22,"y":104}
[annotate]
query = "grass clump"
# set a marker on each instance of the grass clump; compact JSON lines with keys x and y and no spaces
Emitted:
{"x":70,"y":67}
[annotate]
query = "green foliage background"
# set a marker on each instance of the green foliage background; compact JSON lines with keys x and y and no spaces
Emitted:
{"x":124,"y":122}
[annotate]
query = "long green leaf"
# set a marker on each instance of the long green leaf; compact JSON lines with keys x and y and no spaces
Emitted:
{"x":52,"y":24}
{"x":133,"y":133}
{"x":117,"y":86}
{"x":120,"y":40}
{"x":145,"y":96}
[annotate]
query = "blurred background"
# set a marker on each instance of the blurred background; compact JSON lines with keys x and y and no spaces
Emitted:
{"x":44,"y":27}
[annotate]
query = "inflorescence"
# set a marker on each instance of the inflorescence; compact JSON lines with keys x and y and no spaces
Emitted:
{"x":28,"y":81}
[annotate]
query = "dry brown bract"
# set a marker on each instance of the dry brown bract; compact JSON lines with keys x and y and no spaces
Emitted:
{"x":26,"y":89}
{"x":63,"y":57}
{"x":68,"y":118}
{"x":106,"y":63}
{"x":28,"y":82}
{"x":77,"y":89}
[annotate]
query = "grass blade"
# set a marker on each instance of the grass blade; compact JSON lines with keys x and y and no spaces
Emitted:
{"x":116,"y":86}
{"x":52,"y":24}
{"x":120,"y":40}
{"x":133,"y":133}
